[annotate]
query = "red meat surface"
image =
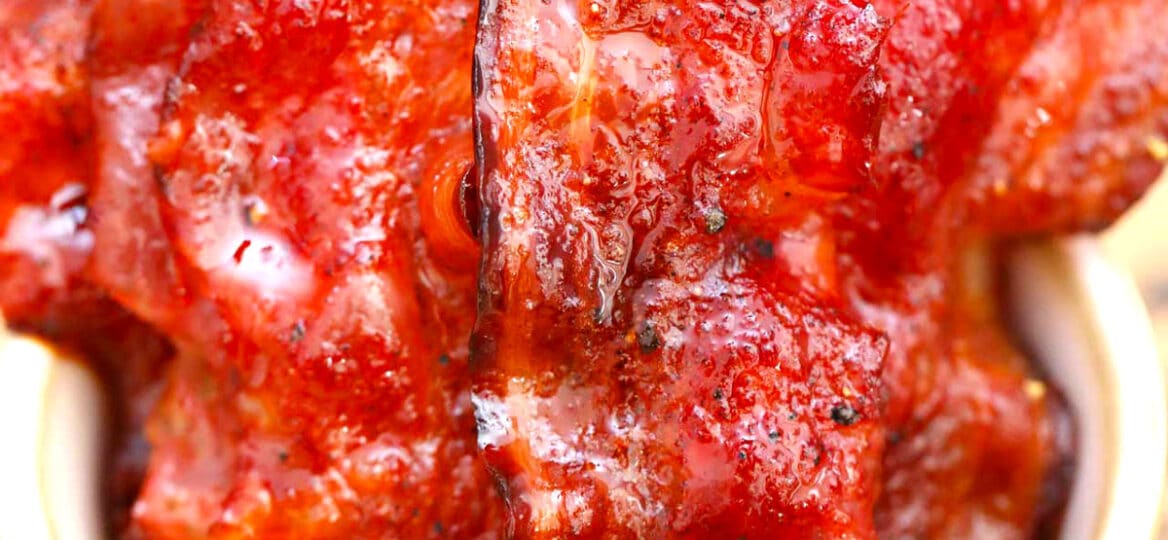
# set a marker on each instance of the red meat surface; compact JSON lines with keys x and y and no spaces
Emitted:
{"x":323,"y":391}
{"x":728,"y":164}
{"x":680,"y":269}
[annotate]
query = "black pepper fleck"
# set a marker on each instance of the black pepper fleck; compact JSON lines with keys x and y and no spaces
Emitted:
{"x":443,"y":359}
{"x":844,"y":414}
{"x":297,"y":332}
{"x":718,"y":393}
{"x":647,"y":339}
{"x":283,"y":456}
{"x":773,"y":436}
{"x":741,"y":455}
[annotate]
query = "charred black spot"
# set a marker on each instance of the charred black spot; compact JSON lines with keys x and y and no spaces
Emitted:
{"x":844,"y":415}
{"x":297,"y":333}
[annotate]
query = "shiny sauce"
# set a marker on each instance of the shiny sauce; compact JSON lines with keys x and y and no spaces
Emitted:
{"x":558,"y":268}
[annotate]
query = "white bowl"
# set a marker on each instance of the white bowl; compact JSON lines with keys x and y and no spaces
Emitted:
{"x":50,"y":457}
{"x":1087,"y":325}
{"x":1080,"y":314}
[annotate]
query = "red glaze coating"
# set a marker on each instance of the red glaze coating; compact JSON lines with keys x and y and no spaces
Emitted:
{"x":633,"y":148}
{"x":47,"y":238}
{"x":1091,"y":103}
{"x":320,"y":386}
{"x":644,"y":372}
{"x":734,"y":277}
{"x":44,"y":157}
{"x":969,"y":449}
{"x":326,"y":395}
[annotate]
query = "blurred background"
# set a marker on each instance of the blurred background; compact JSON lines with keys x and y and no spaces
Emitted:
{"x":1140,"y":241}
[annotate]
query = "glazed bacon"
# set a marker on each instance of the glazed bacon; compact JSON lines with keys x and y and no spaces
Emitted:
{"x":136,"y":47}
{"x":44,"y":157}
{"x":319,"y":382}
{"x":1038,"y":117}
{"x":971,"y":437}
{"x":644,"y":371}
{"x":47,"y":224}
{"x":1090,"y":103}
{"x":680,"y":226}
{"x":736,"y":274}
{"x":324,"y":396}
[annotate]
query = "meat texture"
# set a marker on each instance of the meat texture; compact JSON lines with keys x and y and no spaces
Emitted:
{"x":735,"y":270}
{"x":273,"y":186}
{"x":738,"y":273}
{"x":47,"y":237}
{"x":1090,"y":102}
{"x":644,"y":370}
{"x":322,"y":391}
{"x":44,"y":157}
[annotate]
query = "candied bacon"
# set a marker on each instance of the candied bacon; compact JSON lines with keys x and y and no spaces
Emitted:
{"x":639,"y":373}
{"x":47,"y":233}
{"x":963,"y":145}
{"x":136,"y":46}
{"x":44,"y":158}
{"x":969,"y":446}
{"x":325,"y":395}
{"x":736,"y":275}
{"x":1082,"y":128}
{"x":624,"y":155}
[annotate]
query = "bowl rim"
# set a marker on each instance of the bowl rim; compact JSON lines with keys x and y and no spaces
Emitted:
{"x":52,"y":453}
{"x":1084,"y":319}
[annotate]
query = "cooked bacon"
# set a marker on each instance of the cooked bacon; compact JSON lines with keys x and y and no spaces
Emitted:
{"x":1082,"y":128}
{"x":736,"y":259}
{"x":47,"y":216}
{"x":330,"y":398}
{"x":656,"y":358}
{"x":632,"y":148}
{"x":44,"y":157}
